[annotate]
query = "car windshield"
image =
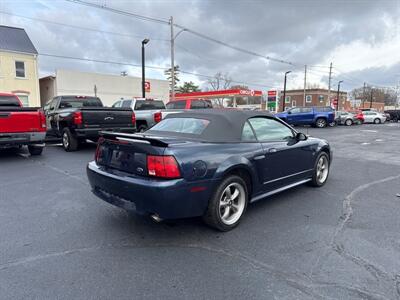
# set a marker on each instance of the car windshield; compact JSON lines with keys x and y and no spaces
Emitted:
{"x":149,"y":104}
{"x":9,"y":101}
{"x":77,"y":102}
{"x":181,"y":125}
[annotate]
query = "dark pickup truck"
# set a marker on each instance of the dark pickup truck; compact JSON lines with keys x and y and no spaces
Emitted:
{"x":20,"y":126}
{"x":393,"y":115}
{"x":75,"y":119}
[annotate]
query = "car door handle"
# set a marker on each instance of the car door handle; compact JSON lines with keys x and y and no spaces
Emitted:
{"x":272,"y":150}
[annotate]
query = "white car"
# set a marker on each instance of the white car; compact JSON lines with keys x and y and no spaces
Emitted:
{"x":374,"y":117}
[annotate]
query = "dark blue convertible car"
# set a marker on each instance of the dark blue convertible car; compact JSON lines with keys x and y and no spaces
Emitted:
{"x":209,"y":163}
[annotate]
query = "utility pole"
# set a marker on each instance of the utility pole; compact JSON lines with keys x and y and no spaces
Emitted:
{"x":364,"y":96}
{"x":370,"y":101}
{"x":95,"y":90}
{"x":305,"y":82}
{"x":171,"y":21}
{"x":284,"y":91}
{"x":329,"y":84}
{"x":337,"y":97}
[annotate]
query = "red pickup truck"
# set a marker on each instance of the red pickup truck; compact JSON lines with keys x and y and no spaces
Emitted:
{"x":20,"y":125}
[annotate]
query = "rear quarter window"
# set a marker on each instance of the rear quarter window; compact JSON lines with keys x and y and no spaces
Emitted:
{"x":181,"y":125}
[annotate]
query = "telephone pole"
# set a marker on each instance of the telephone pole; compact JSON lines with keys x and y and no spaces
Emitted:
{"x":171,"y":21}
{"x":329,"y":84}
{"x":364,"y":96}
{"x":305,"y":82}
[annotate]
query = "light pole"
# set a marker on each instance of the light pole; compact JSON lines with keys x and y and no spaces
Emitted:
{"x":284,"y":91}
{"x":337,"y":97}
{"x":173,"y":38}
{"x":144,"y":42}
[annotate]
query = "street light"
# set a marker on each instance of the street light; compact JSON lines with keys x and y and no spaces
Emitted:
{"x":337,"y":97}
{"x":144,"y":42}
{"x":284,"y":91}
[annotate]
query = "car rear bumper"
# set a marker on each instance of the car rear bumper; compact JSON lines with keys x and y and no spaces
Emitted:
{"x":22,"y":138}
{"x":94,"y":132}
{"x":169,"y":199}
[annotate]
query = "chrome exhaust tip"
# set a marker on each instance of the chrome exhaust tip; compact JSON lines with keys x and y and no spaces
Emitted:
{"x":156,"y":218}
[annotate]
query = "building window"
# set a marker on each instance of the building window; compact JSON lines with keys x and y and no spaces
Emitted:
{"x":24,"y":99}
{"x":294,"y":103}
{"x":20,"y":69}
{"x":287,"y":99}
{"x":308,"y":98}
{"x":321,"y":98}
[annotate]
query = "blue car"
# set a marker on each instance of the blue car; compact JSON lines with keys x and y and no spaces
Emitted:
{"x":315,"y":116}
{"x":208,"y":163}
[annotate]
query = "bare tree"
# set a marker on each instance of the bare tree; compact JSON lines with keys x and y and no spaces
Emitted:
{"x":219,"y":82}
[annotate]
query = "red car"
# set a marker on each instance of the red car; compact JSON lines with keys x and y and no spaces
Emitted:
{"x":20,"y":125}
{"x":189,"y":104}
{"x":358,"y":114}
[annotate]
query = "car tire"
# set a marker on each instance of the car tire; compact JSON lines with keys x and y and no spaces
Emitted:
{"x":377,"y":121}
{"x":321,"y":164}
{"x":332,"y":124}
{"x":35,"y":150}
{"x":225,"y":210}
{"x":348,"y":122}
{"x":395,"y":119}
{"x":69,"y":141}
{"x":320,"y":123}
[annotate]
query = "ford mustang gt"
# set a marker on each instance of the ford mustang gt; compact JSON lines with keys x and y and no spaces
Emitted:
{"x":209,"y":163}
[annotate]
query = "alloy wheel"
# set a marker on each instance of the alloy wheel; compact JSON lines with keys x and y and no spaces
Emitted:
{"x":322,"y":169}
{"x":65,"y":140}
{"x":232,"y":203}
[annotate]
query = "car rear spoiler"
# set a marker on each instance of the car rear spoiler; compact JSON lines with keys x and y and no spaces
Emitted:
{"x":133,"y":138}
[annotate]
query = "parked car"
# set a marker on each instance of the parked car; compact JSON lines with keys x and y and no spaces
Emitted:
{"x":374,"y":117}
{"x":189,"y":104}
{"x":315,"y":116}
{"x":393,"y":115}
{"x":359,"y":116}
{"x":208,"y":163}
{"x":21,"y":126}
{"x":75,"y":119}
{"x":345,"y":118}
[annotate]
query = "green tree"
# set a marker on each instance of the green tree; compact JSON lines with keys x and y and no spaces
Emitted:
{"x":188,"y":87}
{"x":168,"y":73}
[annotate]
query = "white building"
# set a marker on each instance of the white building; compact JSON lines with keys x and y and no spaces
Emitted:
{"x":109,"y":88}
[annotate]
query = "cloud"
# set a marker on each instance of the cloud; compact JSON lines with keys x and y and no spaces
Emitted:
{"x":359,"y":37}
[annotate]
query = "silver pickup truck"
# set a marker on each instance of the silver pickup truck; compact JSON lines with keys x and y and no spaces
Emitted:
{"x":148,"y":112}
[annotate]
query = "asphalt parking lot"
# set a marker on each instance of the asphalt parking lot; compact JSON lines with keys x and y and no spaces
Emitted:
{"x":341,"y":241}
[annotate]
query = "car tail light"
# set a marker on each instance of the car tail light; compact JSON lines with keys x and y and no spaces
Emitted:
{"x":42,"y":117}
{"x":163,"y":166}
{"x":157,"y":117}
{"x":133,"y":119}
{"x":77,"y":118}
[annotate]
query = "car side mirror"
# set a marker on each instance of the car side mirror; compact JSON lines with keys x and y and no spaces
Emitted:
{"x":289,"y":112}
{"x":301,"y":136}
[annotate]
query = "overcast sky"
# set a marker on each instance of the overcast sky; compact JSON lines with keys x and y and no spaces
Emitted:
{"x":360,"y":37}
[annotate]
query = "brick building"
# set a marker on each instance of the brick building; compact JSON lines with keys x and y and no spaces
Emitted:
{"x":314,"y":97}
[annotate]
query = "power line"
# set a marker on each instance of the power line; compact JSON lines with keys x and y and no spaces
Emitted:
{"x":139,"y":66}
{"x":77,"y":27}
{"x":121,"y":12}
{"x":196,"y":33}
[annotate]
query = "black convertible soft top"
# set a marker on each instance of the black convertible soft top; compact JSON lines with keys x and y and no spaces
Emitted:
{"x":226,"y":125}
